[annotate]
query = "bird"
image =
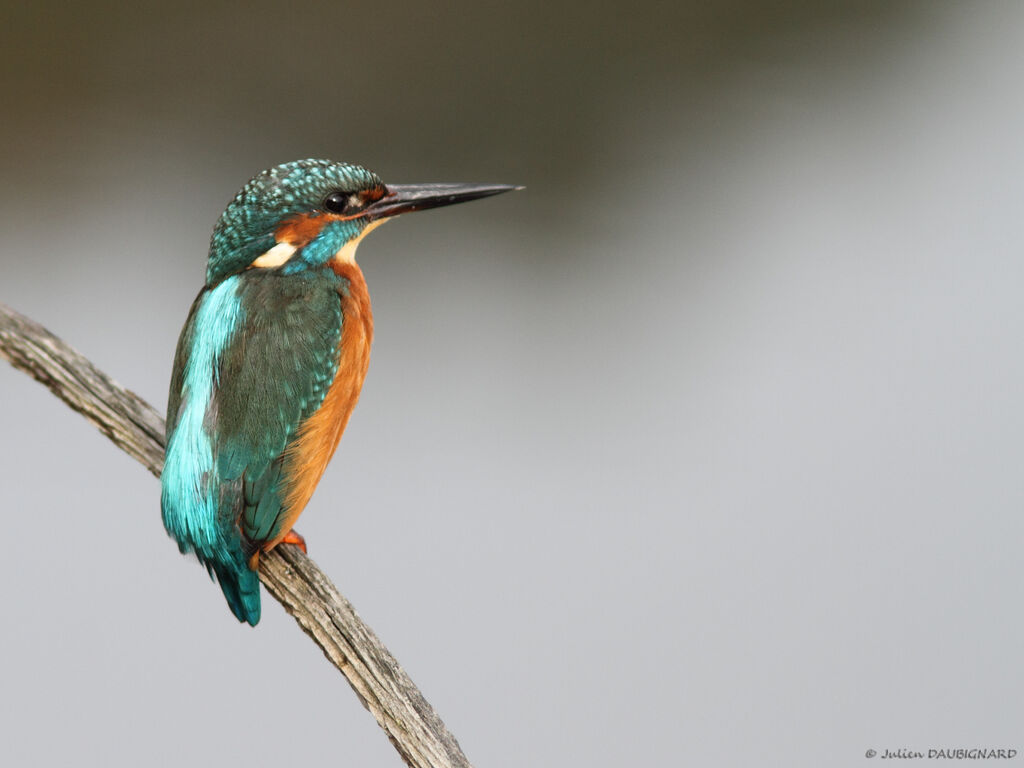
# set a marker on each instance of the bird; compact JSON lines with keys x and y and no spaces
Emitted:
{"x":272,"y":358}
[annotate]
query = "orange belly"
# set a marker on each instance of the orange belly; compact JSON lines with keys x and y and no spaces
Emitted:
{"x":307,"y":456}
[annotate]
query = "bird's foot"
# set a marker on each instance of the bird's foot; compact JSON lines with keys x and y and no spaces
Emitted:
{"x":292,"y":537}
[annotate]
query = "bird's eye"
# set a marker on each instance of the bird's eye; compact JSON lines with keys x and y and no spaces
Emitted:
{"x":340,"y":202}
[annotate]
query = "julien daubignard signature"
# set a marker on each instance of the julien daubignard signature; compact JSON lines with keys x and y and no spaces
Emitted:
{"x":973,"y":753}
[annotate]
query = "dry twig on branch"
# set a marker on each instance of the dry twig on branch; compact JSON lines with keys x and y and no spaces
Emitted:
{"x":291,"y":577}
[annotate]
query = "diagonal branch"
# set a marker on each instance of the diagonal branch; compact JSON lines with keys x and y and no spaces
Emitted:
{"x":291,"y":577}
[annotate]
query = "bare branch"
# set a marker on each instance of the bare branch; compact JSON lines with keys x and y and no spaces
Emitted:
{"x":291,"y":577}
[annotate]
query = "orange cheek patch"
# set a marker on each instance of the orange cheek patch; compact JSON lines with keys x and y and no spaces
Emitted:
{"x":302,"y":229}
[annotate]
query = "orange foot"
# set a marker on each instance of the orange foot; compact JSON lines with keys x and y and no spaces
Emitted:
{"x":292,"y":537}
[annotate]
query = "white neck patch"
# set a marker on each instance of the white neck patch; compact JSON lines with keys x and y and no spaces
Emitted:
{"x":275,"y":257}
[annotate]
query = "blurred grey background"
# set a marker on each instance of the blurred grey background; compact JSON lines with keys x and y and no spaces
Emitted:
{"x":703,"y":450}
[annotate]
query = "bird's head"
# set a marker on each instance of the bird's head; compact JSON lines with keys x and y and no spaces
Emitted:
{"x":302,"y":214}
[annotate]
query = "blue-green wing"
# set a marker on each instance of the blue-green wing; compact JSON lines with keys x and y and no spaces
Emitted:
{"x":273,"y":376}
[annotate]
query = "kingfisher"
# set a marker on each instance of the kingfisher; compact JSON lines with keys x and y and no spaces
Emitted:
{"x":272,"y":358}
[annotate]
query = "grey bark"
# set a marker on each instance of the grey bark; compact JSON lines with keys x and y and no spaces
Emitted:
{"x":290,"y":576}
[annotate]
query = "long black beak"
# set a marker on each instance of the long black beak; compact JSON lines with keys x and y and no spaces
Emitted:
{"x":403,"y":198}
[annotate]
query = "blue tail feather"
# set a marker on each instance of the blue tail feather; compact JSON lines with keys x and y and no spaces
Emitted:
{"x":241,"y":588}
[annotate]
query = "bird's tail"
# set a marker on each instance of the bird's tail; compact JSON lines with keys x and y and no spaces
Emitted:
{"x":241,"y":587}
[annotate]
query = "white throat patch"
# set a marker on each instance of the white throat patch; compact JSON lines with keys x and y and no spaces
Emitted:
{"x":347,"y":255}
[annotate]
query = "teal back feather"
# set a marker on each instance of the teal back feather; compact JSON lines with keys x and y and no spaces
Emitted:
{"x":190,"y":495}
{"x":188,"y":468}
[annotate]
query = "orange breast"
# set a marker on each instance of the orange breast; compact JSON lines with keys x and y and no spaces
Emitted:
{"x":309,"y":453}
